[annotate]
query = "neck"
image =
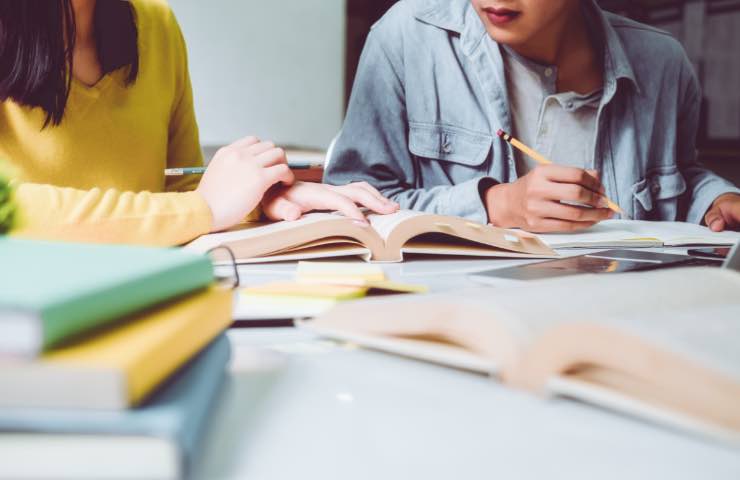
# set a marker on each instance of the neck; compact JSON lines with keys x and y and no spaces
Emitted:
{"x":567,"y":45}
{"x":556,"y":41}
{"x":84,"y":11}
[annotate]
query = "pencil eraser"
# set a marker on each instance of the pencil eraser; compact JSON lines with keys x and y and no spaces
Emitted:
{"x":500,"y":133}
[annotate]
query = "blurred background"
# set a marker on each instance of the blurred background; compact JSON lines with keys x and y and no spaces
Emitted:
{"x":284,"y":70}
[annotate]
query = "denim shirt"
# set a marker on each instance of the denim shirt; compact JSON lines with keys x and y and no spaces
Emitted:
{"x":430,"y":94}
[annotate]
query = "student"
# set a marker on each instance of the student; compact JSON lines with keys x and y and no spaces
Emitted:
{"x":95,"y":103}
{"x":615,"y":104}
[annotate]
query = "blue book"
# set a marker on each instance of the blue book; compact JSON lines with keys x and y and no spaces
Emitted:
{"x":157,"y":440}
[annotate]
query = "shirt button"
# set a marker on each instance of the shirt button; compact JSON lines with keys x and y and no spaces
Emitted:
{"x":548,"y":72}
{"x":655,"y":188}
{"x":569,"y":105}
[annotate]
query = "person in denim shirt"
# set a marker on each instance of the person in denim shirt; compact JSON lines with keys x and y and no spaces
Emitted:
{"x":432,"y":90}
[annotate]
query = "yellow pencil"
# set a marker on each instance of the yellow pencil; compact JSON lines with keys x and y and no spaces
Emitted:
{"x":537,"y":157}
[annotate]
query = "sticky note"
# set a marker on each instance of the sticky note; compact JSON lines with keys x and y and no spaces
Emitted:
{"x":327,"y":272}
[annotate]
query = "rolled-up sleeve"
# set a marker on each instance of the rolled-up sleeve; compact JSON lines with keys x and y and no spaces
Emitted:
{"x":704,"y":185}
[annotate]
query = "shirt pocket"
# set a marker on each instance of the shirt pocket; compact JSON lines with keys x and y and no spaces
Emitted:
{"x":448,"y":155}
{"x":658,"y":195}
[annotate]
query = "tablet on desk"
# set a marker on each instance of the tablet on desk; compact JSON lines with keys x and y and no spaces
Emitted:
{"x":610,"y":261}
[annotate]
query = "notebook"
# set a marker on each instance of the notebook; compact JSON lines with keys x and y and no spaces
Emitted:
{"x":662,"y":346}
{"x":118,"y":367}
{"x":158,"y":440}
{"x":50,"y":292}
{"x":640,"y":234}
{"x":390,"y":237}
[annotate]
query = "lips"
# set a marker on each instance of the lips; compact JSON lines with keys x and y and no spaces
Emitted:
{"x":501,"y":16}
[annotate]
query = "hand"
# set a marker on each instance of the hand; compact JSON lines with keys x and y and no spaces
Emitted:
{"x":289,"y":203}
{"x":724,"y":213}
{"x":533,"y":202}
{"x":239,"y":176}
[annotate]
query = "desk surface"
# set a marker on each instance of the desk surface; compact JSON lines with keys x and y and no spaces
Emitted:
{"x":296,"y":406}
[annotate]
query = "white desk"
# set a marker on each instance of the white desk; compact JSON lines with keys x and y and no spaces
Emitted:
{"x":317,"y":410}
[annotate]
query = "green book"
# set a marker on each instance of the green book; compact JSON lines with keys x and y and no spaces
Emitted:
{"x":51,"y":292}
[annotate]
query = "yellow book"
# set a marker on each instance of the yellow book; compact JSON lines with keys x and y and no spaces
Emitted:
{"x":119,"y":367}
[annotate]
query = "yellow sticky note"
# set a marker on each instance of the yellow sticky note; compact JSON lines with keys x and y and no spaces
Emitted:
{"x":306,"y":290}
{"x":339,"y":272}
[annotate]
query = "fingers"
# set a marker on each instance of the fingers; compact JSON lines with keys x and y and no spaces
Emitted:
{"x":326,"y":199}
{"x":246,"y":142}
{"x":561,"y":174}
{"x":559,"y":211}
{"x":714,"y":220}
{"x":361,"y":196}
{"x":271,"y":157}
{"x":373,"y":191}
{"x":550,"y":225}
{"x":259,"y":148}
{"x":573,"y":193}
{"x":279,"y":174}
{"x":280,"y":208}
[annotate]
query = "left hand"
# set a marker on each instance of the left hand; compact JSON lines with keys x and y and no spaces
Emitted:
{"x":724,"y":213}
{"x":290,"y":203}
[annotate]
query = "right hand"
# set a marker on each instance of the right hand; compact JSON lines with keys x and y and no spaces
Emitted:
{"x":533,"y":203}
{"x":239,"y":176}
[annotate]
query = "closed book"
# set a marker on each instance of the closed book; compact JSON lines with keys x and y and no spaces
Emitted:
{"x":122,"y":365}
{"x":50,"y":292}
{"x":158,"y":440}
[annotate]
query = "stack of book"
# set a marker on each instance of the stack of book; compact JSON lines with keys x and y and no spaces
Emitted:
{"x":110,"y":359}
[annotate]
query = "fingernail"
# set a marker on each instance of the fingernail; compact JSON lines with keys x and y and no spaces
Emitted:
{"x":361,"y":223}
{"x":715,"y":225}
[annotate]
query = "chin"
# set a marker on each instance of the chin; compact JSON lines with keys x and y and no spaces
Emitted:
{"x":506,"y":37}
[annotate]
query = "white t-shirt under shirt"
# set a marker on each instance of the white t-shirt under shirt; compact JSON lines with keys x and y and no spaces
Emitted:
{"x":560,"y":126}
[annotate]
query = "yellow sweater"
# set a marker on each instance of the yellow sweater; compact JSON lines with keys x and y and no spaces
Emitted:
{"x":99,"y":175}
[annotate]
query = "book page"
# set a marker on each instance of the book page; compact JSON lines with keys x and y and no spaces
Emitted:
{"x":255,"y":230}
{"x":384,"y":224}
{"x":680,"y":368}
{"x":708,"y":335}
{"x":633,"y":233}
{"x":681,"y":233}
{"x":609,"y":233}
{"x":531,"y":309}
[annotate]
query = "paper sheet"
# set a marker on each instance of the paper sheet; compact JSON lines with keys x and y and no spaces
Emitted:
{"x":634,"y":233}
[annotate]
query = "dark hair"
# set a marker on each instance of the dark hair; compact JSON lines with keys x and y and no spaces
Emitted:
{"x":36,"y":44}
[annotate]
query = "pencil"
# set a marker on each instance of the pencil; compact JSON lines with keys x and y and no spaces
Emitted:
{"x":537,"y":157}
{"x":179,"y":172}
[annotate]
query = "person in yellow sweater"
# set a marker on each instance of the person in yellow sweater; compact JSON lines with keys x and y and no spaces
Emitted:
{"x":96,"y":102}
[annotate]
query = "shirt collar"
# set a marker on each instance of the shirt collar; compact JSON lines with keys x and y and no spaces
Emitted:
{"x":460,"y":17}
{"x":617,"y":65}
{"x":457,"y":16}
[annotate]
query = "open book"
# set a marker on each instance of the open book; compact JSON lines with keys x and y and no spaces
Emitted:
{"x":323,"y":235}
{"x":662,"y":345}
{"x":639,"y":234}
